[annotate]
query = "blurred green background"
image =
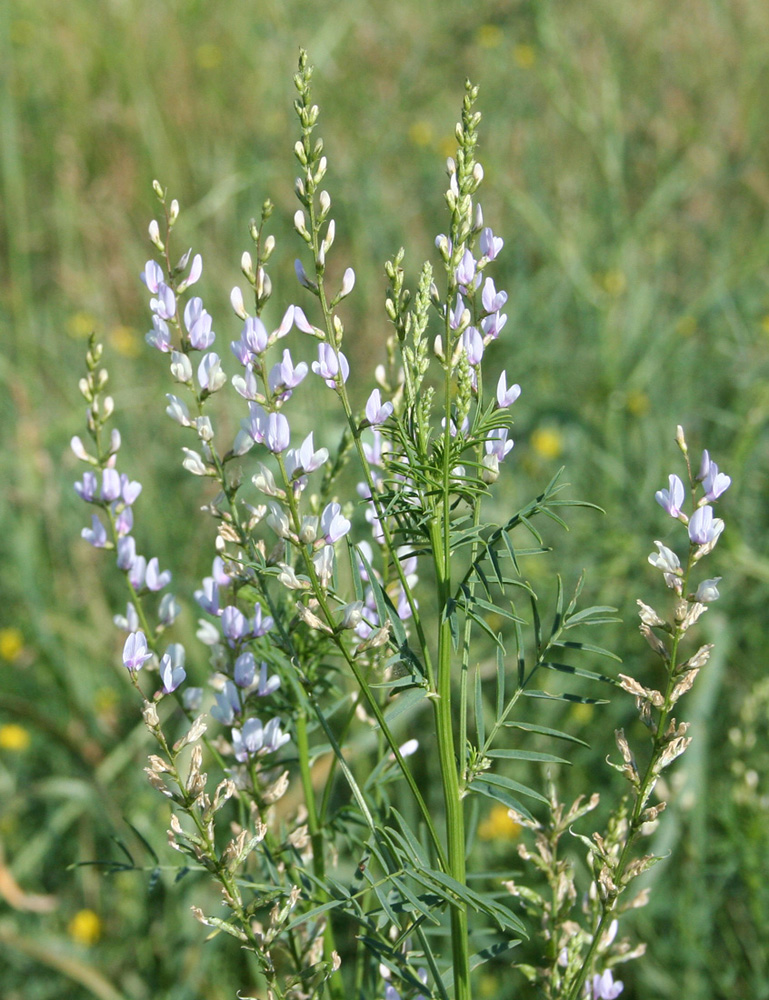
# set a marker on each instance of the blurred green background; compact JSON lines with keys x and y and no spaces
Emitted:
{"x":626,"y":149}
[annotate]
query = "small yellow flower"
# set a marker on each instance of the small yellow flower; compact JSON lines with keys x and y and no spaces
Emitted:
{"x":13,"y":737}
{"x":524,"y":55}
{"x":80,"y":325}
{"x":85,"y":928}
{"x":498,"y":825}
{"x":11,"y":644}
{"x":637,"y":403}
{"x":614,"y":282}
{"x":489,"y":36}
{"x":125,"y":341}
{"x":547,"y":442}
{"x":421,"y":133}
{"x":208,"y":55}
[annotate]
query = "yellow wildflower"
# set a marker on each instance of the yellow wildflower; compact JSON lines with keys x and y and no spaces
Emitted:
{"x":547,"y":442}
{"x":13,"y":737}
{"x":85,"y":928}
{"x":11,"y":643}
{"x":498,"y":825}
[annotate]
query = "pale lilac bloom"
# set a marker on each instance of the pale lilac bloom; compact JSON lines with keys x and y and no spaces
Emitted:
{"x":126,"y":552}
{"x":704,"y":529}
{"x":455,"y":317}
{"x":96,"y":534}
{"x":192,"y":699}
{"x":152,"y":276}
{"x":672,"y":499}
{"x":505,"y":396}
{"x":715,"y":483}
{"x":665,"y":559}
{"x":236,"y":301}
{"x":154,"y":579}
{"x":465,"y":273}
{"x":273,"y":737}
{"x":159,"y":336}
{"x":348,"y":283}
{"x":330,"y":365}
{"x":278,"y":433}
{"x":124,"y":521}
{"x":227,"y":704}
{"x":86,"y":489}
{"x":256,"y":425}
{"x":136,"y":572}
{"x":169,"y":609}
{"x":277,"y":519}
{"x":172,"y":672}
{"x":135,"y":652}
{"x":198,"y":322}
{"x":301,"y":322}
{"x":195,"y":270}
{"x":246,"y":384}
{"x":245,"y":670}
{"x":323,"y":561}
{"x":210,"y":374}
{"x":129,"y":623}
{"x":208,"y":597}
{"x":301,"y":274}
{"x":333,"y":523}
{"x":177,"y":410}
{"x":164,"y":305}
{"x":704,"y":466}
{"x":603,"y":987}
{"x":247,"y":741}
{"x":284,"y":375}
{"x":492,"y":300}
{"x":497,"y":444}
{"x":267,"y":684}
{"x":492,"y":325}
{"x":490,"y":244}
{"x":376,"y":411}
{"x":221,"y":577}
{"x":110,"y":485}
{"x":129,"y":489}
{"x":234,"y":623}
{"x":305,"y":459}
{"x":707,"y":592}
{"x":473,"y":345}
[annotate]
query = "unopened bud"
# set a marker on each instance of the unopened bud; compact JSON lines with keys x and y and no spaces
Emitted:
{"x":173,"y":213}
{"x":324,"y":199}
{"x":154,"y":231}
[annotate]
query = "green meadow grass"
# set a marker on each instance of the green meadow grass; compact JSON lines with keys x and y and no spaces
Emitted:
{"x":626,"y":153}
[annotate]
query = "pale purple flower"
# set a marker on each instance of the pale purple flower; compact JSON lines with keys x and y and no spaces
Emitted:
{"x":603,"y":987}
{"x":323,"y":561}
{"x":672,"y":499}
{"x":665,"y":559}
{"x":473,"y":345}
{"x":707,"y":592}
{"x":715,"y":483}
{"x":348,"y":283}
{"x":192,"y":699}
{"x":277,"y":519}
{"x":169,"y":609}
{"x":497,"y":444}
{"x":159,"y":336}
{"x":505,"y":396}
{"x":376,"y":411}
{"x":333,"y":523}
{"x":247,"y":741}
{"x":152,"y":276}
{"x":227,"y":704}
{"x":273,"y":737}
{"x":490,"y":244}
{"x":245,"y":670}
{"x":301,"y":322}
{"x":210,"y":374}
{"x":246,"y":384}
{"x":234,"y":623}
{"x":301,"y":274}
{"x":110,"y":485}
{"x":465,"y":273}
{"x":177,"y":410}
{"x":135,"y":652}
{"x":136,"y":572}
{"x":704,"y":529}
{"x":126,"y":552}
{"x":154,"y":579}
{"x":704,"y":466}
{"x":260,"y":625}
{"x":86,"y":489}
{"x":284,"y":375}
{"x":195,"y":270}
{"x":164,"y":305}
{"x":266,"y":684}
{"x":236,"y":301}
{"x":124,"y":521}
{"x":331,"y":365}
{"x":96,"y":534}
{"x":305,"y":459}
{"x":129,"y":623}
{"x":198,"y":323}
{"x":208,"y":597}
{"x":129,"y":489}
{"x":172,"y":672}
{"x":492,"y":300}
{"x":492,"y":325}
{"x":457,"y":313}
{"x":256,"y":425}
{"x":278,"y":433}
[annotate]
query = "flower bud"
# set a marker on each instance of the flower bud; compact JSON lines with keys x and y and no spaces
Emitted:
{"x":173,"y":213}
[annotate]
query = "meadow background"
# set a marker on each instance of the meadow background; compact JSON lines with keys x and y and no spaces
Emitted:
{"x":626,"y":149}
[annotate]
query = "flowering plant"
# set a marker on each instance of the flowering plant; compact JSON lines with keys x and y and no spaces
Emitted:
{"x":322,"y":642}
